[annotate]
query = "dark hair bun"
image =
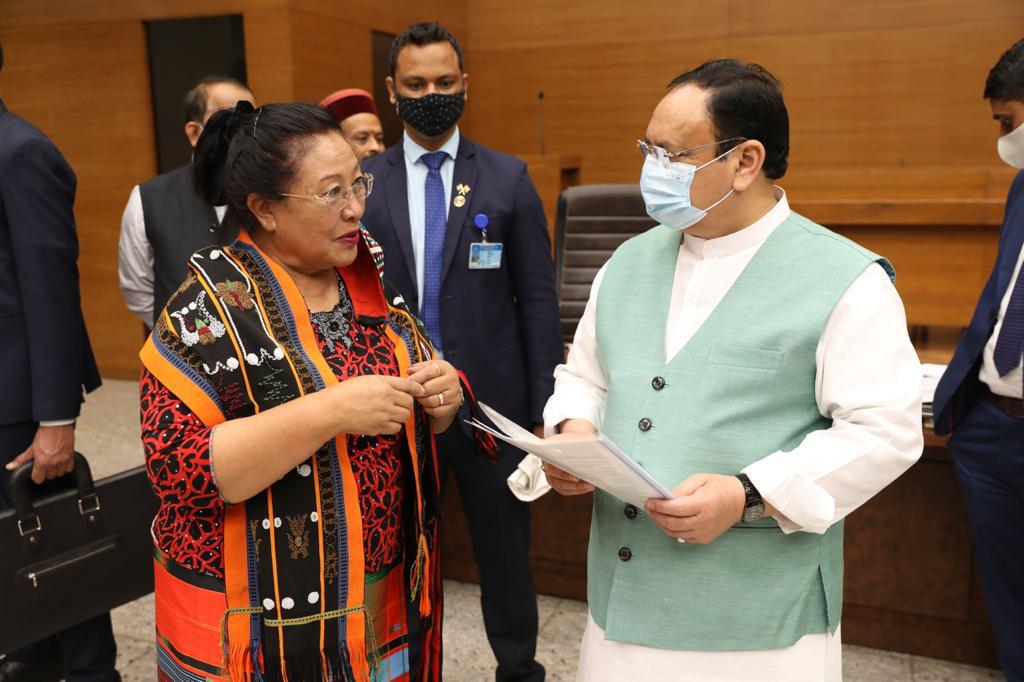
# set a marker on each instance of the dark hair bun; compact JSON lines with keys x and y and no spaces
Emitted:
{"x":211,"y":153}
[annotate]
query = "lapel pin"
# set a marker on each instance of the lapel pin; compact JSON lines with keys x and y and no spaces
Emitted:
{"x":459,"y":201}
{"x":463,"y":189}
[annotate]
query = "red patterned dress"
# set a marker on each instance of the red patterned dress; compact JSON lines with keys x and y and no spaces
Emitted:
{"x":189,"y":525}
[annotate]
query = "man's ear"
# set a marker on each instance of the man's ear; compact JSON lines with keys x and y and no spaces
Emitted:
{"x":192,"y":131}
{"x":389,"y":83}
{"x":465,"y":86}
{"x":749,"y":158}
{"x":262,"y":209}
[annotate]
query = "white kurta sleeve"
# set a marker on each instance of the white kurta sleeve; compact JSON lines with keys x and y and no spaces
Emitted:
{"x":580,"y":383}
{"x":135,"y":260}
{"x":869,"y":383}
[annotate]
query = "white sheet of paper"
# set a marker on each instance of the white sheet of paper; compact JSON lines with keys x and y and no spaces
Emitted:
{"x":596,"y":460}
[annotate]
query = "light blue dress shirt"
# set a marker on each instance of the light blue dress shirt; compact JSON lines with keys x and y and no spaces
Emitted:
{"x":415,"y":183}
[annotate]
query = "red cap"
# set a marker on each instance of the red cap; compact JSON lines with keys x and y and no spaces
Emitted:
{"x":348,"y":102}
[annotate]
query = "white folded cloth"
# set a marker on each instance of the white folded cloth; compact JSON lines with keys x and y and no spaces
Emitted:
{"x":528,"y":481}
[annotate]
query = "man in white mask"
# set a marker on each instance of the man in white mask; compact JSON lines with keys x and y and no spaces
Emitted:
{"x":978,"y":401}
{"x":757,"y":364}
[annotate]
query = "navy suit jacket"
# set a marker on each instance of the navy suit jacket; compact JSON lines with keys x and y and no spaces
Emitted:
{"x":960,"y":386}
{"x":501,"y":327}
{"x":45,"y":356}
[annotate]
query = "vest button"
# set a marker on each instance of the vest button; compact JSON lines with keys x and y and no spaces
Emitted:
{"x":630,"y":511}
{"x":645,"y":424}
{"x":625,"y":554}
{"x":658,"y":383}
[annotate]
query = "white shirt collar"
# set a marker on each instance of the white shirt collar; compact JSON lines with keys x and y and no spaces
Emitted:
{"x":413,"y":151}
{"x":749,"y":237}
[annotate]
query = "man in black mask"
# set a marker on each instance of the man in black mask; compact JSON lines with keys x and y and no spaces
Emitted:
{"x":466,"y":243}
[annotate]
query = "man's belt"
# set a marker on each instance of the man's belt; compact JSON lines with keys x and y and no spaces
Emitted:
{"x":1013,"y":407}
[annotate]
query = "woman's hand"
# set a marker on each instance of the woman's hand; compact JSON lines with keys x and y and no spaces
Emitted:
{"x":442,"y":395}
{"x":371,"y":405}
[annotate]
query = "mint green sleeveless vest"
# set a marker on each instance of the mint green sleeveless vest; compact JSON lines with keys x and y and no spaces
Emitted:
{"x":741,"y":388}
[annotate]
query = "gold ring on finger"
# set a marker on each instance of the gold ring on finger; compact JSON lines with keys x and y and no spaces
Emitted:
{"x":440,"y":399}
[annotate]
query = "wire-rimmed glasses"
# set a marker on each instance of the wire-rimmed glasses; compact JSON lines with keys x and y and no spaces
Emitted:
{"x":337,"y":198}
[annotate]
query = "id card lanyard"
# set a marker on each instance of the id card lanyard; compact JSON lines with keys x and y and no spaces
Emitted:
{"x":484,"y":255}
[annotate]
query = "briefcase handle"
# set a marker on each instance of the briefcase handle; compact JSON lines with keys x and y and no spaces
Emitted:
{"x":21,"y":495}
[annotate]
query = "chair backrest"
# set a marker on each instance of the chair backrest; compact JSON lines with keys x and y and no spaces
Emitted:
{"x":591,"y":222}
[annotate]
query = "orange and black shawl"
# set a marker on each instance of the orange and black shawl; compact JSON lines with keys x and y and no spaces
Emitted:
{"x":234,"y":340}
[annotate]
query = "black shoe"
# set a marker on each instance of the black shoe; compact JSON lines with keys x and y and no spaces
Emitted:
{"x":13,"y":671}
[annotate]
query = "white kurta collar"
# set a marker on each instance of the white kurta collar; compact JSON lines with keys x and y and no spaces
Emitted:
{"x":749,"y":237}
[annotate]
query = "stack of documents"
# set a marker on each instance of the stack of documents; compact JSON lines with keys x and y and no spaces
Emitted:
{"x":595,"y":459}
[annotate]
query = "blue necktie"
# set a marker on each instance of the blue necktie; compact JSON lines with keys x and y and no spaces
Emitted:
{"x":1010,"y":344}
{"x":433,"y":245}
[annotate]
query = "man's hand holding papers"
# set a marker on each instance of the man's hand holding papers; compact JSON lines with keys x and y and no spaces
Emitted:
{"x":562,"y":481}
{"x":584,"y":460}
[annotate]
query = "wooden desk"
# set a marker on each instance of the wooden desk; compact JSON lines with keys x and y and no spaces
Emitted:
{"x":943,"y":251}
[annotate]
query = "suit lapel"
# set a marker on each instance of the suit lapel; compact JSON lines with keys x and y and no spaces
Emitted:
{"x":396,"y":198}
{"x":465,"y":174}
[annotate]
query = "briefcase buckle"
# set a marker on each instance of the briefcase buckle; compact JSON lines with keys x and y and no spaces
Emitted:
{"x":22,"y":531}
{"x":92,"y":498}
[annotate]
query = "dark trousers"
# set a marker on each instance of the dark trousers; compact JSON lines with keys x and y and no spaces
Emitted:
{"x":499,"y":526}
{"x":988,"y":454}
{"x":87,"y":649}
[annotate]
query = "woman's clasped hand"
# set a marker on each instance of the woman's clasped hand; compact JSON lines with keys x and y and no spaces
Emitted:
{"x":372,"y":405}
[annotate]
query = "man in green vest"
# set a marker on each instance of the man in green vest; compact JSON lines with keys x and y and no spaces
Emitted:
{"x":761,"y":365}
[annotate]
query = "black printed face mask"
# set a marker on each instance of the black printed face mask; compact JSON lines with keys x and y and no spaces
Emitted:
{"x":433,"y":114}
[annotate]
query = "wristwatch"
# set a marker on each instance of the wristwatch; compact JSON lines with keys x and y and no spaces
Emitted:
{"x":753,"y":505}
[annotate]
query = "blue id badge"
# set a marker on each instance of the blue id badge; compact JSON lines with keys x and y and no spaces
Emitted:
{"x":484,"y":256}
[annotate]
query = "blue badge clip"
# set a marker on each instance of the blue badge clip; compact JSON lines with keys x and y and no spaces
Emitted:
{"x":480,"y":221}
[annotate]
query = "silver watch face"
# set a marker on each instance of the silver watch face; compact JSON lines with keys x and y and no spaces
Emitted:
{"x":755,"y":513}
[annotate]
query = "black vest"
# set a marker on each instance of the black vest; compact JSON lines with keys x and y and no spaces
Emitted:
{"x":178,"y":223}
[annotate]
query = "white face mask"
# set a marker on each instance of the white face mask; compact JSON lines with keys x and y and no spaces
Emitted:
{"x":665,"y":186}
{"x":1011,"y":147}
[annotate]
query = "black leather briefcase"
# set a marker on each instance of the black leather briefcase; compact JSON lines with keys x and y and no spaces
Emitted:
{"x":70,"y":557}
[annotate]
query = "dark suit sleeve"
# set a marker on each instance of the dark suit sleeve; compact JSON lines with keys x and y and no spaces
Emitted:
{"x":38,"y":191}
{"x":533,"y":284}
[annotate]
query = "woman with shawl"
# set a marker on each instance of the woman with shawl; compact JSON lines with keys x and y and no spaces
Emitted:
{"x":289,"y":403}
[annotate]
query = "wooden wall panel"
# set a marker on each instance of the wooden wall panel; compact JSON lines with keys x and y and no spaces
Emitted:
{"x":870,"y":85}
{"x":78,"y":69}
{"x":94,"y":104}
{"x":329,"y":54}
{"x":812,"y":16}
{"x":890,"y":98}
{"x":597,"y":100}
{"x":268,"y":54}
{"x":48,"y":12}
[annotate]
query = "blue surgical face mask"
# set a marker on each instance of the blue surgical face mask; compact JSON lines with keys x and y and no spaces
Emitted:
{"x":665,"y":186}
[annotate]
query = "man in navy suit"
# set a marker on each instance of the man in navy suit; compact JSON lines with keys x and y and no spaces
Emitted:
{"x":45,"y":361}
{"x":466,"y":243}
{"x":978,"y":401}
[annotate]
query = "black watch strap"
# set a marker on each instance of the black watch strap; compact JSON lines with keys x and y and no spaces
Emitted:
{"x":753,"y":504}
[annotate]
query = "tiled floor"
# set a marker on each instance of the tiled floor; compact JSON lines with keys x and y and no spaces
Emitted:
{"x":108,"y":433}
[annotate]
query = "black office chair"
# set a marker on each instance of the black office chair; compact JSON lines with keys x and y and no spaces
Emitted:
{"x":591,"y":222}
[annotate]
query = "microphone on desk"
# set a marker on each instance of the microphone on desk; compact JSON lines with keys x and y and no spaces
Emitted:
{"x":540,"y":105}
